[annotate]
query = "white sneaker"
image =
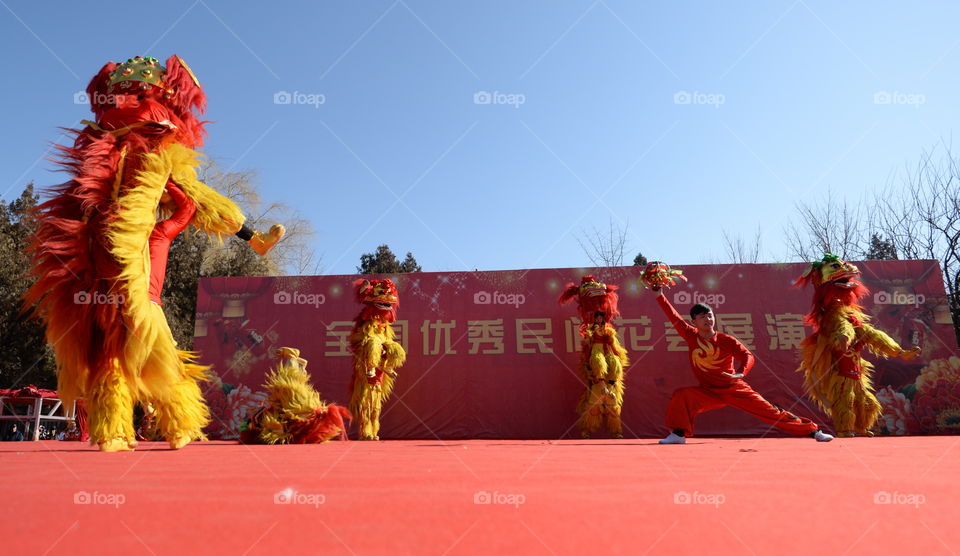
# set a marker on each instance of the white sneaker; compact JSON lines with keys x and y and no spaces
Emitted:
{"x":673,"y":438}
{"x":821,"y":436}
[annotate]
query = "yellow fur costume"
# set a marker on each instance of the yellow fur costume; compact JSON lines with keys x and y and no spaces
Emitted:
{"x":836,"y":376}
{"x":601,"y":365}
{"x":149,"y":367}
{"x":602,"y":358}
{"x":376,"y":355}
{"x":295,"y":414}
{"x":91,"y":252}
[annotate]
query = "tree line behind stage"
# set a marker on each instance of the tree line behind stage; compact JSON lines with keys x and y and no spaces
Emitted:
{"x":915,"y":216}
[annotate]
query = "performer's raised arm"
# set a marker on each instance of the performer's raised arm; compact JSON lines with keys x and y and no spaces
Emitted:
{"x":684,"y":328}
{"x":181,"y":216}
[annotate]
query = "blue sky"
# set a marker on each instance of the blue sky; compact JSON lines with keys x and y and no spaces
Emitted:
{"x":586,"y":125}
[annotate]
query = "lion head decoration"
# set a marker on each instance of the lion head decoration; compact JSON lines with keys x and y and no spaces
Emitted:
{"x":158,"y":101}
{"x":380,"y":299}
{"x":835,"y":281}
{"x":594,"y":298}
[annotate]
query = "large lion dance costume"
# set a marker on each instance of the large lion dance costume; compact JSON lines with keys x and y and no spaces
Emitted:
{"x":99,"y":252}
{"x":602,"y":358}
{"x":376,"y":355}
{"x":835,"y":375}
{"x":294,"y":414}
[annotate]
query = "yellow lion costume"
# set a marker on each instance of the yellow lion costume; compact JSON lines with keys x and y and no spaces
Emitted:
{"x":835,"y":375}
{"x":294,"y":414}
{"x":376,"y":355}
{"x":99,"y":252}
{"x":602,"y":358}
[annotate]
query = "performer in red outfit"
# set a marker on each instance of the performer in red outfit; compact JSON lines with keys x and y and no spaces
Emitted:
{"x":164,"y":233}
{"x":720,"y":361}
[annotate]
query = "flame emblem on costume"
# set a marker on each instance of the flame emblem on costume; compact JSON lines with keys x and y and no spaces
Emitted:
{"x":707,"y":356}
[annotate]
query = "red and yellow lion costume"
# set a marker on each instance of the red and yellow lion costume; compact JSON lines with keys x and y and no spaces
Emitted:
{"x":602,"y":358}
{"x":376,"y":356}
{"x":835,"y":375}
{"x":294,"y":413}
{"x":93,"y":251}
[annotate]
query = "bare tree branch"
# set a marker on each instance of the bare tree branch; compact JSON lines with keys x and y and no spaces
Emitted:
{"x":293,"y":254}
{"x":739,"y":251}
{"x":605,"y":248}
{"x":830,"y":226}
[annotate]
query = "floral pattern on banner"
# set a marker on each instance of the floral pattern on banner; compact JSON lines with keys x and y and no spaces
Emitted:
{"x":230,"y":406}
{"x":931,"y":405}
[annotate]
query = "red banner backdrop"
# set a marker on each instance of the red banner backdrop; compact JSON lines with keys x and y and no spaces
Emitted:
{"x":493,"y":355}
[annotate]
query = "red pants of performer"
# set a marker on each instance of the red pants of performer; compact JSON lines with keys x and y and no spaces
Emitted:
{"x":687,"y":403}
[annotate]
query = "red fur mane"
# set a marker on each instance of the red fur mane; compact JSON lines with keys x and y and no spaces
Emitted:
{"x":587,"y":306}
{"x":828,"y":294}
{"x":366,"y":295}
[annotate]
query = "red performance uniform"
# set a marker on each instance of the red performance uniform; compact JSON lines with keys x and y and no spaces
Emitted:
{"x":709,"y":359}
{"x":163,"y":235}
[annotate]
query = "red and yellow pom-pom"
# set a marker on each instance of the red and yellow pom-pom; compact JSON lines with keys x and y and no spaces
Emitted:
{"x":660,"y":275}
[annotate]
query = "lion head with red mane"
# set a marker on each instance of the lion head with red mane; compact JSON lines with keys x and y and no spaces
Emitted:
{"x":380,"y":299}
{"x":593,"y":297}
{"x":835,"y":282}
{"x":148,"y":100}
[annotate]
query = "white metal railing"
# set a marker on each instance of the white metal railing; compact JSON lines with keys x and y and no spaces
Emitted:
{"x":38,"y":413}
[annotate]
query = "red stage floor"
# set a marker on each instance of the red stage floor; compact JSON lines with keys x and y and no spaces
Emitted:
{"x":732,"y":496}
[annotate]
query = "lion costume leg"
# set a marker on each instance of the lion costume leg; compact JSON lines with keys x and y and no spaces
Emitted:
{"x":612,"y":411}
{"x":867,"y":410}
{"x":370,"y":412}
{"x":181,"y":413}
{"x":169,"y":380}
{"x":375,"y":409}
{"x":615,"y":373}
{"x":581,"y":409}
{"x":614,"y":403}
{"x":842,"y":407}
{"x":363,"y":402}
{"x":111,"y":410}
{"x":614,"y":425}
{"x":365,"y":405}
{"x":368,"y":398}
{"x":590,"y":410}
